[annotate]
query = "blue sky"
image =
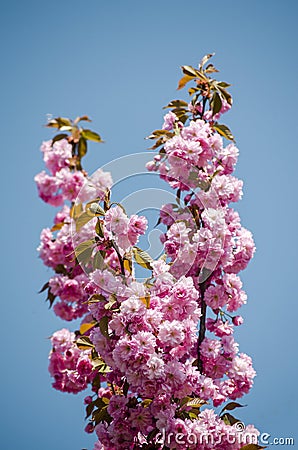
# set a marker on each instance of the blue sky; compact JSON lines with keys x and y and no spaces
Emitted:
{"x":119,"y":63}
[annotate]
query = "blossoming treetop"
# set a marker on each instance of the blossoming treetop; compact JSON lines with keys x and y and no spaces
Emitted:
{"x":157,"y":353}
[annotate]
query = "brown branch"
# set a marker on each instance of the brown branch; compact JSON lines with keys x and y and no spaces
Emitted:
{"x":115,"y":247}
{"x":202,"y":329}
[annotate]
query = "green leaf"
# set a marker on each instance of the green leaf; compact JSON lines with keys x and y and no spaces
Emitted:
{"x":95,"y":209}
{"x":111,"y":302}
{"x":83,"y":251}
{"x":84,"y":343}
{"x":60,"y":268}
{"x":98,"y":260}
{"x":185,"y":400}
{"x":101,"y":415}
{"x":85,"y":256}
{"x":176,"y":104}
{"x":180,"y":112}
{"x":223,"y":84}
{"x":142,"y":258}
{"x":146,"y":301}
{"x":202,"y":184}
{"x":51,"y":297}
{"x":97,"y":362}
{"x":91,"y":135}
{"x":59,"y":122}
{"x":252,"y":447}
{"x":226,"y":95}
{"x":189,"y":71}
{"x":192,"y":90}
{"x":86,"y":327}
{"x":58,"y":137}
{"x":210,"y":69}
{"x":82,"y":220}
{"x":146,"y":402}
{"x":82,"y":118}
{"x":52,"y":124}
{"x":98,"y":229}
{"x":66,"y":128}
{"x":57,"y":226}
{"x":196,"y":403}
{"x":157,"y":133}
{"x":76,"y":210}
{"x":125,"y":388}
{"x":229,"y":419}
{"x":216,"y":103}
{"x":89,"y":409}
{"x":224,"y":131}
{"x":82,"y":147}
{"x":158,"y":143}
{"x":103,"y":325}
{"x":152,"y":434}
{"x":205,"y":59}
{"x":232,"y":405}
{"x":127,"y":263}
{"x":99,"y":403}
{"x":83,"y":246}
{"x":104,"y":368}
{"x":45,"y":286}
{"x":183,"y":118}
{"x":63,"y":121}
{"x":183,"y":81}
{"x":95,"y":298}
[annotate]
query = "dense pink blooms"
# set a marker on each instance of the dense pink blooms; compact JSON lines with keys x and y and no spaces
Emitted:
{"x":169,"y":121}
{"x":124,"y":230}
{"x":70,"y":367}
{"x":48,"y":187}
{"x":95,"y":186}
{"x":142,"y":345}
{"x":56,"y":156}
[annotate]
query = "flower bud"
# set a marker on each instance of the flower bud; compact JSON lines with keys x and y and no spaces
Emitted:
{"x":237,"y":320}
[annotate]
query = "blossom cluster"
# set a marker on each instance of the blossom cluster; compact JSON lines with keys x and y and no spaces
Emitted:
{"x":70,"y":367}
{"x":56,"y":248}
{"x":63,"y":183}
{"x":153,"y":346}
{"x":154,"y":352}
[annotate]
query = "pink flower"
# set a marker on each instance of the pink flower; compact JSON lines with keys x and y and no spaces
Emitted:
{"x":70,"y":183}
{"x":63,"y":339}
{"x":70,"y":367}
{"x":62,"y":215}
{"x":226,"y":158}
{"x":117,"y":405}
{"x":116,"y":220}
{"x":219,"y":328}
{"x":228,"y":188}
{"x":155,"y":367}
{"x":169,"y":120}
{"x":48,"y":187}
{"x":171,"y":333}
{"x":137,"y":226}
{"x":56,"y":156}
{"x":184,"y":290}
{"x":141,"y":419}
